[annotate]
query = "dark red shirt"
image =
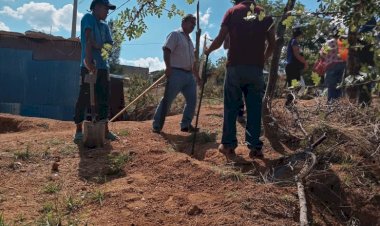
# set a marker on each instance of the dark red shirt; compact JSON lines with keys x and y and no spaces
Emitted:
{"x":247,"y":38}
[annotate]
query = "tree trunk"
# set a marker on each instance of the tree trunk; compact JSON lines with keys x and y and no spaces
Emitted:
{"x":269,"y":123}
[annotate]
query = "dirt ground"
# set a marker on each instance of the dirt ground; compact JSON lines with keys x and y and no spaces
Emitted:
{"x":151,"y":179}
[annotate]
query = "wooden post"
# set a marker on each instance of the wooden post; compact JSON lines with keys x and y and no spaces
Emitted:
{"x":197,"y":40}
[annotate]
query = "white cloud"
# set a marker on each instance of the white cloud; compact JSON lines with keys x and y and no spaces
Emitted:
{"x":44,"y":16}
{"x":205,"y":17}
{"x":153,"y":63}
{"x":3,"y":27}
{"x":10,"y":12}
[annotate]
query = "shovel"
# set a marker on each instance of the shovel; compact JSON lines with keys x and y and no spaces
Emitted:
{"x":93,"y":131}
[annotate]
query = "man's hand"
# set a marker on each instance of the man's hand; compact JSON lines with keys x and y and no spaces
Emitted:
{"x":168,"y":72}
{"x":90,"y":65}
{"x":207,"y":50}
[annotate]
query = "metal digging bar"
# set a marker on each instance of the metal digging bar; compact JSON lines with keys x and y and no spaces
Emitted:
{"x":204,"y":80}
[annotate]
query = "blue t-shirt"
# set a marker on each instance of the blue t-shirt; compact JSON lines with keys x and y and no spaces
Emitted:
{"x":101,"y":35}
{"x":290,"y":58}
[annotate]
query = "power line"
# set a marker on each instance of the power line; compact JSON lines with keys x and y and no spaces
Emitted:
{"x":119,"y":7}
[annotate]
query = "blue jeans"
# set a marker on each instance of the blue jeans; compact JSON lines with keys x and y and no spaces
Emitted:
{"x":248,"y":79}
{"x":333,"y":77}
{"x":179,"y":81}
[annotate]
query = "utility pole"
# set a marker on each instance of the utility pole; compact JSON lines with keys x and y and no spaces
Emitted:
{"x":74,"y":24}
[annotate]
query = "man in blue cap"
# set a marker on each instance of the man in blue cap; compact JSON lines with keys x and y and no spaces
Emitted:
{"x":94,"y":34}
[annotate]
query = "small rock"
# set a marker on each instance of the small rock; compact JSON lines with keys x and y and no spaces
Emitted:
{"x":194,"y":210}
{"x":54,"y":167}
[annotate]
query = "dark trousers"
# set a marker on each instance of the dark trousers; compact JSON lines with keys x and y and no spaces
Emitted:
{"x":101,"y":96}
{"x":293,"y":71}
{"x":250,"y":81}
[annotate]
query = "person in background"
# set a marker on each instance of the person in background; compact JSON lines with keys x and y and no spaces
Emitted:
{"x":295,"y":61}
{"x":245,"y":62}
{"x":181,"y":75}
{"x":334,"y":55}
{"x":94,"y":34}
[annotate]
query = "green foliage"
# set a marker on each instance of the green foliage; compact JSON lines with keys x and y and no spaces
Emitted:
{"x":98,"y":196}
{"x":52,"y":188}
{"x":72,"y":203}
{"x":316,"y":78}
{"x":117,"y":162}
{"x":23,"y":155}
{"x":136,"y":85}
{"x":295,"y":83}
{"x":2,"y":220}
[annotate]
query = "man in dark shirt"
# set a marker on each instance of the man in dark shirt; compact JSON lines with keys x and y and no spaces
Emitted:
{"x":245,"y":62}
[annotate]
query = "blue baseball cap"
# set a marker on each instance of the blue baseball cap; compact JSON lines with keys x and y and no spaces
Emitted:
{"x":104,"y":2}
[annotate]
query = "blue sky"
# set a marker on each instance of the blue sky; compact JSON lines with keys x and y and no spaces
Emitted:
{"x":54,"y":17}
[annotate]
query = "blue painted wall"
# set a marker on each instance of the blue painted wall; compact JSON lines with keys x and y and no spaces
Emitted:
{"x":38,"y":88}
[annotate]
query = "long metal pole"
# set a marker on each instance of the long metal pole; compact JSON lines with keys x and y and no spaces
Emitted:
{"x":74,"y":21}
{"x":137,"y":98}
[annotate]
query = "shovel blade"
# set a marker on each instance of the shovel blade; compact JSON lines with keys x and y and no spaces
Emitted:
{"x":93,"y":134}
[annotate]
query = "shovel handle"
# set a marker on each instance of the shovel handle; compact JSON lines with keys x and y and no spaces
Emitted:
{"x":142,"y":94}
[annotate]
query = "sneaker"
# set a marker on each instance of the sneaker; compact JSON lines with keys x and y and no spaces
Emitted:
{"x":190,"y":129}
{"x":111,"y":136}
{"x":256,"y":153}
{"x":228,"y":152}
{"x":78,"y":137}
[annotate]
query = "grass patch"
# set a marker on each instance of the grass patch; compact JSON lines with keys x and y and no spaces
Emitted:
{"x":98,"y":196}
{"x":49,"y":219}
{"x":55,"y":141}
{"x":72,"y":204}
{"x":2,"y":220}
{"x":69,"y":149}
{"x":52,"y":188}
{"x":117,"y":162}
{"x":247,"y":204}
{"x":347,"y":179}
{"x":19,"y":219}
{"x":47,"y":207}
{"x":229,"y":173}
{"x":288,"y":198}
{"x":23,"y":155}
{"x":124,"y":133}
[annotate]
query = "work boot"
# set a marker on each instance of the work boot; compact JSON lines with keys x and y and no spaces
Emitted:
{"x":228,"y":152}
{"x":189,"y":129}
{"x":78,"y":137}
{"x":156,"y":130}
{"x":256,"y":153}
